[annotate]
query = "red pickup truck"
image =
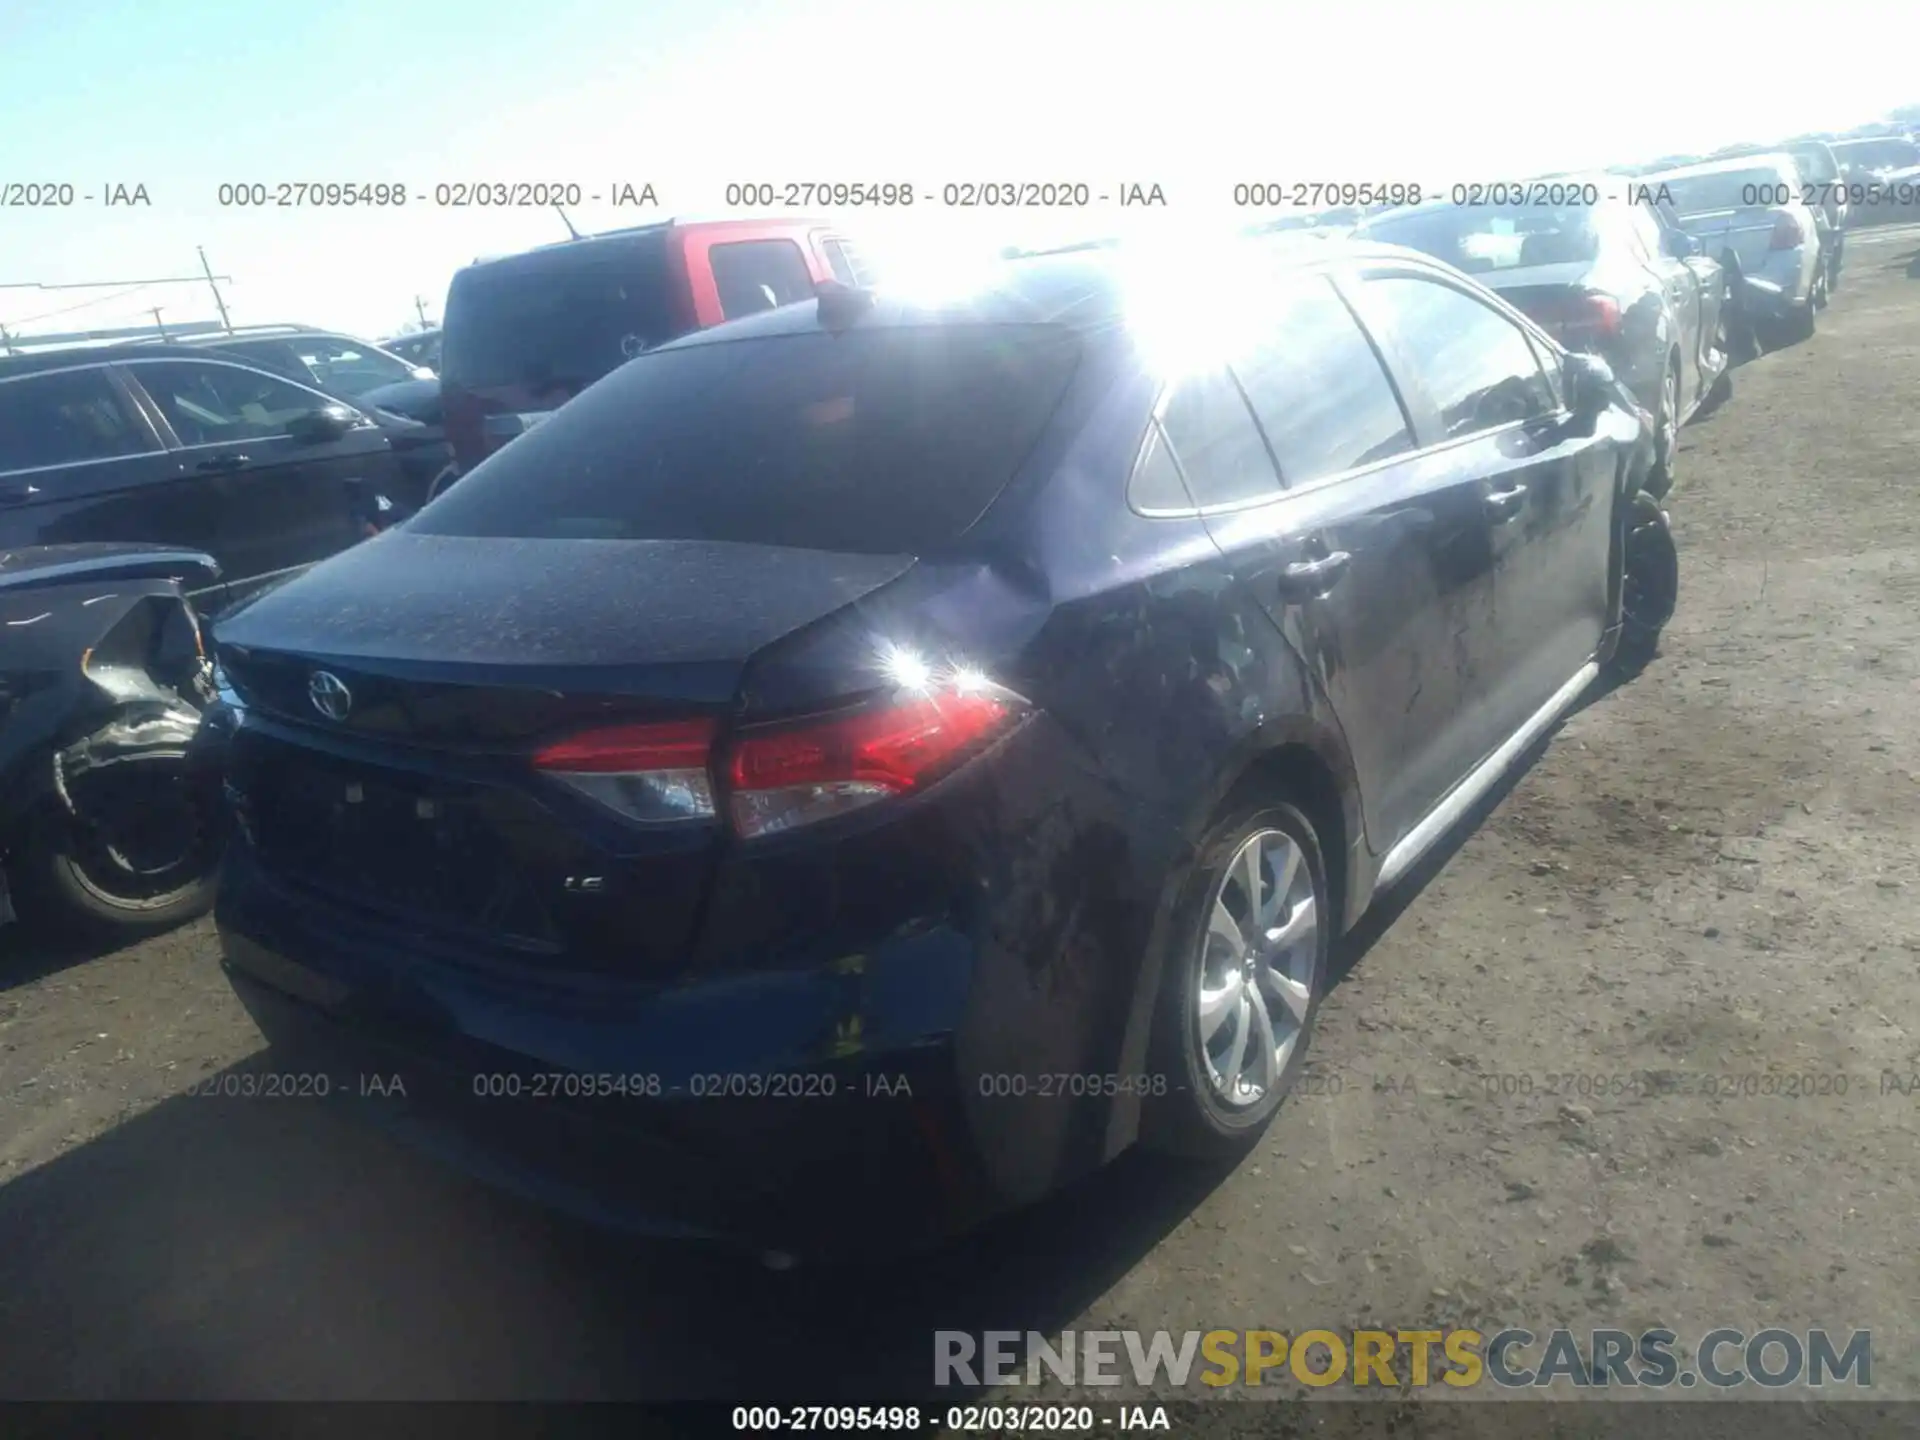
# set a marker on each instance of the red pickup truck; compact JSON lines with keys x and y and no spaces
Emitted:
{"x":525,"y":333}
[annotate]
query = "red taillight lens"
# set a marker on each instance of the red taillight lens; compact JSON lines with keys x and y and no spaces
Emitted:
{"x":793,"y":776}
{"x":625,"y":749}
{"x":1583,"y":317}
{"x":789,"y":775}
{"x":1786,"y":234}
{"x":655,"y":773}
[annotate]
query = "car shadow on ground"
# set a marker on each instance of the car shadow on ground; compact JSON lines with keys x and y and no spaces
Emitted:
{"x":28,"y":954}
{"x":217,"y":1247}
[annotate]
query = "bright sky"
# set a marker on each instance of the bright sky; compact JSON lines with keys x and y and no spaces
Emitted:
{"x":183,"y":95}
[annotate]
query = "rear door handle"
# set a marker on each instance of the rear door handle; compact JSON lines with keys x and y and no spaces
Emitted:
{"x":223,"y":462}
{"x":1310,"y":579}
{"x":1506,"y":504}
{"x":17,"y":494}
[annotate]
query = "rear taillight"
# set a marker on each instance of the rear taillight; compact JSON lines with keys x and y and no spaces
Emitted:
{"x":782,"y":776}
{"x":1586,"y":316}
{"x":1786,"y":234}
{"x":795,"y":775}
{"x":655,"y":774}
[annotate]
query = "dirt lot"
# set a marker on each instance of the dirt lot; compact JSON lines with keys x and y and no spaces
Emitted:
{"x":1711,"y":877}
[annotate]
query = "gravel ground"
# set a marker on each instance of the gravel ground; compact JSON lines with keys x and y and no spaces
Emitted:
{"x":1622,"y":1059}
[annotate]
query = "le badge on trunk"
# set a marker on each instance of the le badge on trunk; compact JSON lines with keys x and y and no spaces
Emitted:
{"x":330,"y":695}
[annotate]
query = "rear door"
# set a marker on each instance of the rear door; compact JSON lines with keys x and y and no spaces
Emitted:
{"x":1362,"y":554}
{"x":1679,"y":288}
{"x":81,"y":462}
{"x":1483,"y":399}
{"x":282,"y":503}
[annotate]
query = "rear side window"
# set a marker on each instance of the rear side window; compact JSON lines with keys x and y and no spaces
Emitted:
{"x":66,"y":418}
{"x":1477,"y":366}
{"x":1156,"y":487}
{"x":212,"y":404}
{"x":755,"y":275}
{"x":558,"y":320}
{"x":1319,"y":390}
{"x":1218,"y":445}
{"x":881,"y":441}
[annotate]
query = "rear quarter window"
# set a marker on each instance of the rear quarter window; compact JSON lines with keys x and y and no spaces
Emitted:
{"x":65,"y":418}
{"x":890,"y":440}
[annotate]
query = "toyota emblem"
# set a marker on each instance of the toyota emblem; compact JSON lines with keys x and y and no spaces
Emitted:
{"x":329,"y":695}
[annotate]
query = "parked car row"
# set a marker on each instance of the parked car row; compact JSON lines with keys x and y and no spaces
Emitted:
{"x":1617,"y":278}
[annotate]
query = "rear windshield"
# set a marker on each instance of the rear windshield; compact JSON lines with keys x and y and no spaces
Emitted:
{"x":564,"y":319}
{"x":1478,"y":240}
{"x":1889,"y":152}
{"x":1727,"y":190}
{"x":883,"y":441}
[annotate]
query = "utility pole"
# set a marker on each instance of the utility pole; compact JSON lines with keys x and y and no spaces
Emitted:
{"x":158,"y":323}
{"x":208,"y":271}
{"x":420,"y":309}
{"x":7,"y":341}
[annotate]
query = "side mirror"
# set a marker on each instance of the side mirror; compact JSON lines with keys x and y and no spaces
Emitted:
{"x":321,"y":426}
{"x":1591,"y":386}
{"x":424,"y":372}
{"x":1681,"y":245}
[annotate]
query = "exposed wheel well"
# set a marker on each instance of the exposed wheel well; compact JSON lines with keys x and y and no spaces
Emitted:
{"x":1295,"y":773}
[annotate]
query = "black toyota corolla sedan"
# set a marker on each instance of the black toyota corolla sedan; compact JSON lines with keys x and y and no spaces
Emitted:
{"x":861,"y":766}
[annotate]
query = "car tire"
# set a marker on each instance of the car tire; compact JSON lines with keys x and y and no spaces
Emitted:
{"x":1799,"y":325}
{"x":1649,"y":585}
{"x":1216,"y":1106}
{"x":66,"y":888}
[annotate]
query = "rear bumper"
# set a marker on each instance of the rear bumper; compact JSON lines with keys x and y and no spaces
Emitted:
{"x":875,"y":1038}
{"x":858,"y":1153}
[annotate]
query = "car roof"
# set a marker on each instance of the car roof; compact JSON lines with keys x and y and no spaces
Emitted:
{"x":1752,"y":150}
{"x":1726,"y":165}
{"x":74,"y":356}
{"x":1855,"y":141}
{"x":1084,"y":291}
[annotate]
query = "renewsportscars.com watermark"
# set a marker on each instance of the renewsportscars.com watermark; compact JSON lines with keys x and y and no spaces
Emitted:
{"x":1507,"y":1359}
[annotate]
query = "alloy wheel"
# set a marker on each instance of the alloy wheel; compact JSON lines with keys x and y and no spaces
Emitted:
{"x":1257,"y":968}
